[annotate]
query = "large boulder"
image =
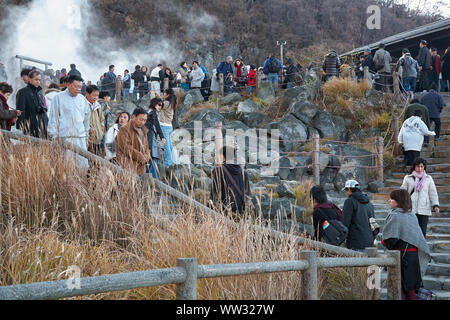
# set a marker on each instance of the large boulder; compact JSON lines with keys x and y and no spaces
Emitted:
{"x":235,"y":125}
{"x":208,"y":117}
{"x":294,"y":95}
{"x":192,"y":97}
{"x":248,"y":106}
{"x":324,"y":160}
{"x":230,"y":98}
{"x":303,"y":110}
{"x":284,"y":168}
{"x":290,"y":129}
{"x":266,"y":92}
{"x":328,"y":126}
{"x":253,"y":119}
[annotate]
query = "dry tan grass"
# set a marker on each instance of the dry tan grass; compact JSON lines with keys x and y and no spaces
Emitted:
{"x":197,"y":108}
{"x":55,"y":216}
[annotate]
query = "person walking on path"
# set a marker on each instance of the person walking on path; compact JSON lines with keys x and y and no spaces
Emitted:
{"x":165,"y":116}
{"x":331,"y":65}
{"x":272,"y":67}
{"x":410,"y":69}
{"x":132,"y":151}
{"x":154,"y":129}
{"x":126,"y":83}
{"x":323,"y":211}
{"x":96,"y":122}
{"x":446,"y":71}
{"x":411,"y":109}
{"x":411,"y":136}
{"x":402,"y":232}
{"x":69,"y":119}
{"x":423,"y":193}
{"x":424,"y":60}
{"x":382,"y":59}
{"x":33,"y":121}
{"x":357,"y":212}
{"x":434,"y":102}
{"x":110,"y":146}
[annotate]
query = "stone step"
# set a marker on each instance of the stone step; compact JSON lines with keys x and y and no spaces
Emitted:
{"x":440,"y":246}
{"x":438,"y":177}
{"x":438,"y":269}
{"x":441,"y":257}
{"x":436,"y":282}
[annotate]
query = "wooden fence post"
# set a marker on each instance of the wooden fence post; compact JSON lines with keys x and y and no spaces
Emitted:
{"x":372,"y":252}
{"x":119,"y":88}
{"x":316,"y":159}
{"x":367,"y":76}
{"x":309,"y":276}
{"x":395,"y":135}
{"x":166,"y":84}
{"x":396,"y":83}
{"x":188,"y":289}
{"x":379,"y":158}
{"x":394,"y":279}
{"x":219,"y":143}
{"x":221,"y":84}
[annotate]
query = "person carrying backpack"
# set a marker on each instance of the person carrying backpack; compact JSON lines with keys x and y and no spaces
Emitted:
{"x":326,"y":216}
{"x":272,"y":66}
{"x":331,"y":65}
{"x":357,"y":212}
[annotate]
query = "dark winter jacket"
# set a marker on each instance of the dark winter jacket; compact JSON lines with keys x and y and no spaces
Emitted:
{"x":127,"y":82}
{"x":434,"y":102}
{"x":357,"y":211}
{"x":33,"y":120}
{"x":291,"y":73}
{"x":224,"y":68}
{"x":409,"y":65}
{"x":229,"y":186}
{"x":266,"y":65}
{"x":424,"y":58}
{"x":368,"y":62}
{"x":331,"y":64}
{"x":436,"y":64}
{"x":446,"y":66}
{"x":319,"y":217}
{"x":154,"y":130}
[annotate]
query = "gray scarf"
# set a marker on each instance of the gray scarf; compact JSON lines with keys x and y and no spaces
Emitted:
{"x":404,"y":226}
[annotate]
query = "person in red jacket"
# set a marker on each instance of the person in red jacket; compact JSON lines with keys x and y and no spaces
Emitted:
{"x":7,"y":117}
{"x":251,"y":84}
{"x":436,"y":68}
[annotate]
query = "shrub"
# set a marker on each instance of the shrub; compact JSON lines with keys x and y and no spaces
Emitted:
{"x":303,"y":199}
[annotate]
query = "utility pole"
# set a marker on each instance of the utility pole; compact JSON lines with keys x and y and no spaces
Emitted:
{"x":282,"y":44}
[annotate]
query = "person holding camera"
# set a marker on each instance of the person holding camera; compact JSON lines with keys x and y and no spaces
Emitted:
{"x":30,"y":100}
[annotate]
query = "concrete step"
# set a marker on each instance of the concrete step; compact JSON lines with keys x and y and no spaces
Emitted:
{"x":438,"y":177}
{"x":438,"y":269}
{"x":441,"y":258}
{"x":439,"y":283}
{"x":440,"y":246}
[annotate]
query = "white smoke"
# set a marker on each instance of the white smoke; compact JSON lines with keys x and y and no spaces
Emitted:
{"x":55,"y":31}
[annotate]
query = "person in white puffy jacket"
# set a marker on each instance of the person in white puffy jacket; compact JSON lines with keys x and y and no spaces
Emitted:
{"x":411,"y":136}
{"x":423,"y":192}
{"x":110,"y":137}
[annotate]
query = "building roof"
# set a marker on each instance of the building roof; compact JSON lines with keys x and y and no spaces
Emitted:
{"x":437,"y":34}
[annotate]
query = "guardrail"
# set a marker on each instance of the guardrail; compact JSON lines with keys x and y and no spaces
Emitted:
{"x":187,"y":272}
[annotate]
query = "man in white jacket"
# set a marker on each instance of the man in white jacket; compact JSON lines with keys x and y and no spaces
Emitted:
{"x":411,"y":136}
{"x":69,"y":118}
{"x":155,"y":79}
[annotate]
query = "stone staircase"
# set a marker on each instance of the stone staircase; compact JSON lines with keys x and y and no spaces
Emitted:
{"x":437,"y":155}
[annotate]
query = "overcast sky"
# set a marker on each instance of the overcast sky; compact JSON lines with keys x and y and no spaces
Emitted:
{"x":444,"y":5}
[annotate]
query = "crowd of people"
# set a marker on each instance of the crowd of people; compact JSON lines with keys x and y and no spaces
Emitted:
{"x":76,"y":111}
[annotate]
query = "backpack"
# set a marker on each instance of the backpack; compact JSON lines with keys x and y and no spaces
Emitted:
{"x":334,"y":232}
{"x":273,"y":65}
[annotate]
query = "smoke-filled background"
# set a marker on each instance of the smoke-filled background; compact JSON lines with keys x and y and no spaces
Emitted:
{"x":71,"y":31}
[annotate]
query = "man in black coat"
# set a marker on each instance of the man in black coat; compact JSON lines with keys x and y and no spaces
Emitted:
{"x":424,"y":60}
{"x":230,"y":184}
{"x":357,"y":211}
{"x":73,"y":71}
{"x":368,"y":61}
{"x":138,"y":77}
{"x":30,"y":100}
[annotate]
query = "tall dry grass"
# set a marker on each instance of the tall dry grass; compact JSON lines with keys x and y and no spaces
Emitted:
{"x":54,"y":215}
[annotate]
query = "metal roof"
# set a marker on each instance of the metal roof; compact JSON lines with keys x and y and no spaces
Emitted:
{"x":441,"y":28}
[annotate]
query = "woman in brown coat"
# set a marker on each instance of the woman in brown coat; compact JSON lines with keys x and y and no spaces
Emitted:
{"x":132,"y":151}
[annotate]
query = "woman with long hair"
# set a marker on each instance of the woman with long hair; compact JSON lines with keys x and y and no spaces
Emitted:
{"x":166,"y":118}
{"x":424,"y":196}
{"x":110,"y":137}
{"x":154,"y":130}
{"x":402,"y":232}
